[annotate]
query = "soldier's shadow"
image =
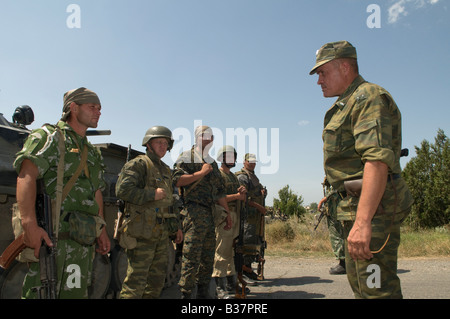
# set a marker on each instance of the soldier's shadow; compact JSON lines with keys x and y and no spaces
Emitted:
{"x":295,"y":281}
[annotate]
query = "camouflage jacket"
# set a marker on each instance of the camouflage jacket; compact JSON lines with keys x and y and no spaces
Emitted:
{"x":137,"y":182}
{"x":364,"y":124}
{"x":231,"y":187}
{"x":41,"y":147}
{"x":209,"y":189}
{"x":252,"y":184}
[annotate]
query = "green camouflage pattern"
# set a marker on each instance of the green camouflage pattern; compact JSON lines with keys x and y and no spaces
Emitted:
{"x":364,"y":124}
{"x":198,"y":247}
{"x":377,"y":278}
{"x":147,"y":266}
{"x":41,"y":147}
{"x":137,"y":182}
{"x":198,"y":222}
{"x":252,"y":226}
{"x":74,"y":264}
{"x":331,"y":51}
{"x":211,"y":186}
{"x":147,"y":262}
{"x":335,"y":229}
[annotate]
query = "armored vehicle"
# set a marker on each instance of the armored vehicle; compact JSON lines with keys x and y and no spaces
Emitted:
{"x":109,"y":270}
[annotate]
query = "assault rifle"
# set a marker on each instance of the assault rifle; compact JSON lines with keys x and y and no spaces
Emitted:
{"x":239,"y":253}
{"x":121,"y":206}
{"x":261,"y":260}
{"x":47,"y":255}
{"x":322,"y":214}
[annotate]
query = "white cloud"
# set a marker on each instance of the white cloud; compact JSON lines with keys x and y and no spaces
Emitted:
{"x":399,"y":8}
{"x":303,"y":123}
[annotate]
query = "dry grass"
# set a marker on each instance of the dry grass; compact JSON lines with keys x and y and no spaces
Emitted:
{"x":298,"y":239}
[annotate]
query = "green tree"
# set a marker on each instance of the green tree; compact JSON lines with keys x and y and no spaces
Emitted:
{"x":428,"y":178}
{"x":289,"y":203}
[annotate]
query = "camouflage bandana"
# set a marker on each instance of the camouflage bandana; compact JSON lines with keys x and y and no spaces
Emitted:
{"x":79,"y":96}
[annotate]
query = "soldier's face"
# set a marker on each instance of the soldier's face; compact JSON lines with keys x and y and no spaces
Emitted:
{"x":332,"y":79}
{"x":205,"y":140}
{"x":159,"y":146}
{"x":250,"y":165}
{"x":87,"y":114}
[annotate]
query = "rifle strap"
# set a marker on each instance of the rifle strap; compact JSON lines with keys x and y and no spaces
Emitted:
{"x":59,"y":181}
{"x":186,"y":192}
{"x":61,"y":193}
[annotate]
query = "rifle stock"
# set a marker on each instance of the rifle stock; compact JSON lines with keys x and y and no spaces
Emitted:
{"x":12,"y":251}
{"x":121,"y":206}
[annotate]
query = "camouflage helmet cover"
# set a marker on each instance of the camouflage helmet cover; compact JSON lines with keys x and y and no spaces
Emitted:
{"x":226,"y":149}
{"x":158,"y":131}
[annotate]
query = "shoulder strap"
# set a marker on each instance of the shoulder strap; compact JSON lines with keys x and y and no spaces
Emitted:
{"x":77,"y":173}
{"x":59,"y":181}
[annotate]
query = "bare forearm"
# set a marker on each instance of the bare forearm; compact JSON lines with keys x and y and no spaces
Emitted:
{"x":26,"y":193}
{"x":374,"y":185}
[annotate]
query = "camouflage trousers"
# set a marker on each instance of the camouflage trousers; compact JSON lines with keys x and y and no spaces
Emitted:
{"x":377,"y":278}
{"x":252,"y":236}
{"x":74,"y":270}
{"x":198,"y":248}
{"x":147,"y":266}
{"x":335,"y":228}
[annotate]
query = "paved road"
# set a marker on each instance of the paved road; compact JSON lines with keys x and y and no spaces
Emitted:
{"x":308,"y":278}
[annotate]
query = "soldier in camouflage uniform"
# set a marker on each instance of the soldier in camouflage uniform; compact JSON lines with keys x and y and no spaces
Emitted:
{"x":253,"y":232}
{"x":39,"y":160}
{"x":224,"y":270}
{"x":201,"y":184}
{"x":145,"y":185}
{"x":362,"y":140}
{"x":334,"y":228}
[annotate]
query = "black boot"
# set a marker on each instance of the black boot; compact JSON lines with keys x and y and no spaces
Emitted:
{"x":231,"y":284}
{"x":338,"y":269}
{"x":221,"y":288}
{"x":203,"y":291}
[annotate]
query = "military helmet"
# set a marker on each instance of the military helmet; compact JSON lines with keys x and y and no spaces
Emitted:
{"x":226,"y":149}
{"x":158,"y":131}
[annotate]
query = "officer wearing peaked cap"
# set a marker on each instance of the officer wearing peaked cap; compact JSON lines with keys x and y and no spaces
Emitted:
{"x":362,"y":144}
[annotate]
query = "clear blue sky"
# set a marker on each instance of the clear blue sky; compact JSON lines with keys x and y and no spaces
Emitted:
{"x":229,"y":64}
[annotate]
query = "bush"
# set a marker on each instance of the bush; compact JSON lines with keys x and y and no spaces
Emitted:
{"x":280,"y":231}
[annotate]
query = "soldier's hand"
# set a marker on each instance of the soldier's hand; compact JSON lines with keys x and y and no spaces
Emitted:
{"x":228,"y":223}
{"x":242,"y":189}
{"x":206,"y":169}
{"x":359,"y":240}
{"x":104,"y":245}
{"x":33,"y":236}
{"x":322,"y":201}
{"x":160,"y":193}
